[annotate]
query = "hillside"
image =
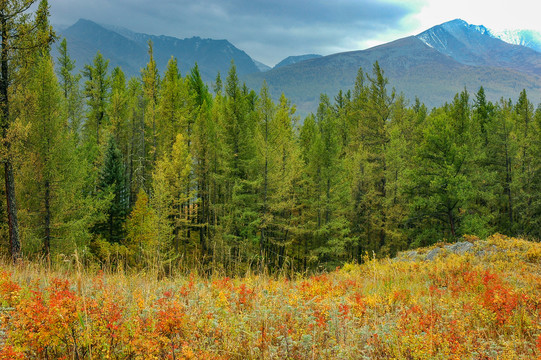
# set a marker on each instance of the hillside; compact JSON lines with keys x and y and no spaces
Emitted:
{"x":290,"y":60}
{"x":474,"y":299}
{"x":129,"y":50}
{"x":413,"y":68}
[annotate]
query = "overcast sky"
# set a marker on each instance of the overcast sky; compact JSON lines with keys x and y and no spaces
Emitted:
{"x":270,"y":30}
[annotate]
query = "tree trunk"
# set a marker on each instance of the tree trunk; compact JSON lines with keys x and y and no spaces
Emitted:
{"x":15,"y":245}
{"x":452,"y":224}
{"x":47,"y":239}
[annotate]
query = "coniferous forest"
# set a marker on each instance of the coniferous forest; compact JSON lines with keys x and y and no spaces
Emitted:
{"x":165,"y":169}
{"x":160,"y":217}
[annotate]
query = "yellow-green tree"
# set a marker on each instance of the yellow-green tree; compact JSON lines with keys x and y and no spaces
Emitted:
{"x":19,"y":38}
{"x":170,"y":178}
{"x":142,"y":233}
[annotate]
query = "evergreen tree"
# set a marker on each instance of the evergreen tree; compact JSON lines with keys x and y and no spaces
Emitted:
{"x":240,"y":213}
{"x":525,"y":134}
{"x":172,"y":108}
{"x":151,"y":83}
{"x":443,"y":186}
{"x":57,"y":211}
{"x":18,"y":39}
{"x":69,"y":84}
{"x":404,"y":134}
{"x":373,"y":141}
{"x":501,"y":153}
{"x":97,"y":93}
{"x":112,"y":184}
{"x":199,"y":130}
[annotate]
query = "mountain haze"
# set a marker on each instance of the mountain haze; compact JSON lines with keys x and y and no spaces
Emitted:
{"x":129,"y":50}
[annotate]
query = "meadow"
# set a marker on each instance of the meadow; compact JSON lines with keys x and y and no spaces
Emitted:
{"x":482,"y":304}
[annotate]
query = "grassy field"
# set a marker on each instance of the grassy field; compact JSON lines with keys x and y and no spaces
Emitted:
{"x":483,"y":304}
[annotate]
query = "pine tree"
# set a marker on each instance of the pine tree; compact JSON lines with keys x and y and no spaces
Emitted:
{"x":199,"y":128}
{"x":404,"y":134}
{"x":373,"y":136}
{"x":442,"y":184}
{"x":501,"y":153}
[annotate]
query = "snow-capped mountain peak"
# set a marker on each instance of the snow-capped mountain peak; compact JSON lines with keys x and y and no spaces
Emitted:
{"x":529,"y":38}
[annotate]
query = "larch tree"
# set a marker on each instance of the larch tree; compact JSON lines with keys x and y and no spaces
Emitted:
{"x":151,"y":83}
{"x":19,"y":37}
{"x":97,"y":92}
{"x":199,"y":129}
{"x":69,"y":84}
{"x":172,"y":111}
{"x":170,"y":177}
{"x":57,"y":210}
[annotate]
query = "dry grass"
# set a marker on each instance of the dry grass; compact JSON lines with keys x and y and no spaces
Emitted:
{"x":485,"y":304}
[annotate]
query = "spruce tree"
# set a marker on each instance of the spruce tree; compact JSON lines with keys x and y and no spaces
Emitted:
{"x":112,"y":184}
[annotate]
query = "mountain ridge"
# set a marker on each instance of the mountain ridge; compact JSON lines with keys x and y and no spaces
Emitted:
{"x":129,"y":50}
{"x":433,"y":65}
{"x":470,"y":59}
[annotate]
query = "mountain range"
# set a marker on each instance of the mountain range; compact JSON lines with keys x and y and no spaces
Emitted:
{"x":433,"y":65}
{"x":129,"y":50}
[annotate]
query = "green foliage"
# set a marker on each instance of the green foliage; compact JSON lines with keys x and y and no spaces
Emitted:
{"x":97,"y":88}
{"x":112,"y":185}
{"x":231,"y":182}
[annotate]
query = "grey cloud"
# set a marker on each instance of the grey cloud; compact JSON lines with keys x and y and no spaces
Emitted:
{"x":267,"y":30}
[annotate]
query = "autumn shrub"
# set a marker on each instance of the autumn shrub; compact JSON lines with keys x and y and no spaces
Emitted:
{"x":472,"y":306}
